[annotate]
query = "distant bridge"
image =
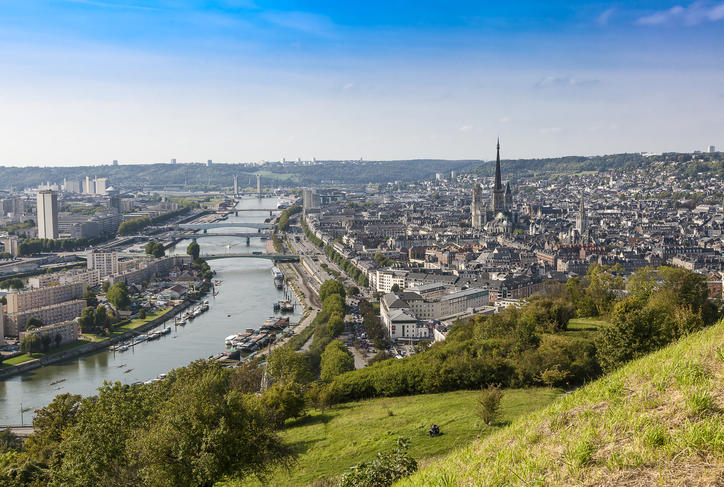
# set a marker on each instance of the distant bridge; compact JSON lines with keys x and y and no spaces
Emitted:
{"x":222,"y":224}
{"x":235,"y":210}
{"x":273,"y":257}
{"x":226,"y":234}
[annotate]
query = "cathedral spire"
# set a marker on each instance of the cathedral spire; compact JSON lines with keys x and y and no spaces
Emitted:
{"x":498,"y":183}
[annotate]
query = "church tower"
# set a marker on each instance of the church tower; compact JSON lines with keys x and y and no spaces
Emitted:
{"x":498,"y":194}
{"x":476,"y":208}
{"x":581,"y":220}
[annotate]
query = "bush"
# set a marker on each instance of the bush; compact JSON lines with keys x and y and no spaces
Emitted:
{"x":384,"y":470}
{"x":489,"y":403}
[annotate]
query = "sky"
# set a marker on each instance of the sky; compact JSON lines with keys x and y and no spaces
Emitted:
{"x":140,"y":81}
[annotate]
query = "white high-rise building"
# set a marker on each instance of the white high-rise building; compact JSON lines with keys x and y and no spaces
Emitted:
{"x":236,"y":185}
{"x":47,"y":214}
{"x":711,"y":149}
{"x":101,"y":185}
{"x":173,"y":161}
{"x":105,"y":262}
{"x":90,"y":186}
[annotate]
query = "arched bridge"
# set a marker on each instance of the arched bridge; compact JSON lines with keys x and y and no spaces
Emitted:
{"x":226,"y":234}
{"x":274,"y":257}
{"x":222,"y":224}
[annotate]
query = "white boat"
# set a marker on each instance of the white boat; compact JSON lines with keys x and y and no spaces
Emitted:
{"x":123,"y":348}
{"x":166,"y":330}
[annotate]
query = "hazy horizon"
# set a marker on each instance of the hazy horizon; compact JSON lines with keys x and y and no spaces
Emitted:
{"x":88,"y":81}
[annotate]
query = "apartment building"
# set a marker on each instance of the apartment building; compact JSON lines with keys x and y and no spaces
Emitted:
{"x":45,"y":296}
{"x":91,"y":278}
{"x":69,"y":331}
{"x":386,"y":278}
{"x":56,"y":313}
{"x":105,"y":262}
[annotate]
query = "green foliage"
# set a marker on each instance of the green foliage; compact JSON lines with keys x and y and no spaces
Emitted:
{"x":142,"y":313}
{"x":489,"y":403}
{"x":194,"y":250}
{"x":90,"y":298}
{"x":100,"y":316}
{"x":30,"y":343}
{"x":336,"y":360}
{"x":284,"y":401}
{"x":330,"y":287}
{"x":9,"y":441}
{"x":117,"y":295}
{"x":384,"y":470}
{"x":87,"y":320}
{"x":335,"y":325}
{"x":135,"y":225}
{"x":283,"y":222}
{"x":657,"y":312}
{"x":37,"y":245}
{"x":13,"y":283}
{"x":194,"y":428}
{"x":287,"y":366}
{"x":33,"y":322}
{"x":155,"y":248}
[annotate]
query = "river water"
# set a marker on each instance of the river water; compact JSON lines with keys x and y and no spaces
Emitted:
{"x":245,"y":299}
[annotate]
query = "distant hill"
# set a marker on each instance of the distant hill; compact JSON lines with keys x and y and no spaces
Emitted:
{"x":656,"y":421}
{"x":334,"y":173}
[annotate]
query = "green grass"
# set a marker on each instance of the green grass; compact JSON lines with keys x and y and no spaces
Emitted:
{"x":330,"y":443}
{"x":129,"y":326}
{"x":656,"y":421}
{"x":28,"y":357}
{"x":587,"y":323}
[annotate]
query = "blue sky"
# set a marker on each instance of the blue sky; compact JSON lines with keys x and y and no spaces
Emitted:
{"x":88,"y":81}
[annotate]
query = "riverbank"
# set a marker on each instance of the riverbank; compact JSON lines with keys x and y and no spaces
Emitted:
{"x":92,"y":346}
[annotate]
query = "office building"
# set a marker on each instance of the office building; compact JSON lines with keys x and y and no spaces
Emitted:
{"x":47,"y":214}
{"x":173,"y":161}
{"x":115,"y":162}
{"x":711,"y":149}
{"x":208,"y":163}
{"x":100,"y":186}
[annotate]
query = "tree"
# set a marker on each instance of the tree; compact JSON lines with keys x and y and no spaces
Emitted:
{"x":286,"y":366}
{"x":329,"y":287}
{"x":194,"y":250}
{"x":489,"y":403}
{"x":45,"y":341}
{"x":284,"y":401}
{"x":118,"y":295}
{"x":335,"y":325}
{"x":33,"y":322}
{"x":155,"y":248}
{"x":105,"y":286}
{"x":395,"y":288}
{"x":9,"y":441}
{"x":142,"y":313}
{"x":100,"y":317}
{"x":13,"y":283}
{"x":90,"y":298}
{"x":214,"y":433}
{"x":87,"y":319}
{"x":336,"y":359}
{"x":29,"y":343}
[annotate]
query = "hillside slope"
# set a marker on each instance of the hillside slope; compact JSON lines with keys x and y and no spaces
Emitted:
{"x":657,"y":421}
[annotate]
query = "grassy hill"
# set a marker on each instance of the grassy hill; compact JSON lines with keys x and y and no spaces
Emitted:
{"x":657,"y":421}
{"x":329,"y":443}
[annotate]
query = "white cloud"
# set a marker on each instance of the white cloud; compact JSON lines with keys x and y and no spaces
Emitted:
{"x":563,"y":82}
{"x":605,"y":16}
{"x":694,"y":14}
{"x":466,"y":128}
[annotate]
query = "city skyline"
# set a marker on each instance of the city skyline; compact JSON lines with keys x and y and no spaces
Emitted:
{"x":87,"y":82}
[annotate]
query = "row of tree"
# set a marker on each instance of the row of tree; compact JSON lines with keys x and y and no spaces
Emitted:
{"x":283,"y":222}
{"x":135,"y":225}
{"x":37,"y":245}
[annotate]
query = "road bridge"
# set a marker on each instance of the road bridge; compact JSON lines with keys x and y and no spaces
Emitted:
{"x":225,"y":234}
{"x":236,"y":210}
{"x":273,"y":257}
{"x":222,"y":224}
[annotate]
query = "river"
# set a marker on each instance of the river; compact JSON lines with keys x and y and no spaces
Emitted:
{"x":245,"y":298}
